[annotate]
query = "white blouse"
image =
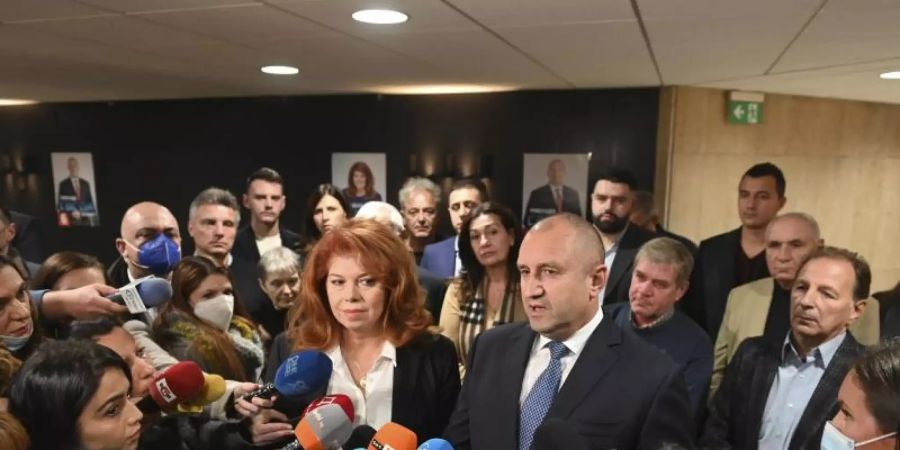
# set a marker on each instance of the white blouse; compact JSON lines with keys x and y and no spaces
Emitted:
{"x":372,"y":407}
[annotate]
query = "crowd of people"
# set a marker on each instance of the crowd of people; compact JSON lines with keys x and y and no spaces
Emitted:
{"x":613,"y":328}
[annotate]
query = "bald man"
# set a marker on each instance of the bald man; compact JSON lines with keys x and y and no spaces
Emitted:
{"x":553,"y":197}
{"x":568,"y":361}
{"x":149,"y":244}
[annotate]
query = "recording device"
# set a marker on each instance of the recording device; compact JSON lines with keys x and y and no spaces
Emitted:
{"x":143,"y":293}
{"x":395,"y":437}
{"x":177,"y":384}
{"x":335,"y":399}
{"x":360,"y":437}
{"x":301,"y":373}
{"x":437,"y":444}
{"x":324,"y":428}
{"x":556,"y":433}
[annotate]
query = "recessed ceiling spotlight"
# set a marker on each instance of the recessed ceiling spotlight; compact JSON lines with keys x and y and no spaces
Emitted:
{"x":16,"y":101}
{"x":280,"y":70}
{"x":891,"y":75}
{"x":380,"y":16}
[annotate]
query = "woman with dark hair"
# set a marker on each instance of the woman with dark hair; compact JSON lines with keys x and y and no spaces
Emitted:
{"x":326,"y":209}
{"x":361,"y":305}
{"x":868,"y":403}
{"x":20,"y":331}
{"x":73,"y":395}
{"x":360,"y":187}
{"x":69,"y":270}
{"x":486,"y":293}
{"x":204,"y":323}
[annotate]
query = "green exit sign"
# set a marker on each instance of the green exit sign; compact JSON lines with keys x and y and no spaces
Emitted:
{"x":745,"y":108}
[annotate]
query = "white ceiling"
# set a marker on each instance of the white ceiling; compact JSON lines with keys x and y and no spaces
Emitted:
{"x":73,"y":50}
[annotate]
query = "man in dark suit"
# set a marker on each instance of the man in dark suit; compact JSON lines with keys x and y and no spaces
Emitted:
{"x":442,"y":258}
{"x":28,"y":236}
{"x":75,"y":197}
{"x":568,"y":361}
{"x":778,"y":395}
{"x":264,"y":197}
{"x":611,"y":204}
{"x":737,"y":257}
{"x":8,"y":231}
{"x":145,"y":224}
{"x":553,"y":197}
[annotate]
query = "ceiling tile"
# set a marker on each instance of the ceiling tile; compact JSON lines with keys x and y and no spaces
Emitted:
{"x":120,"y":31}
{"x":544,"y":12}
{"x":688,"y":9}
{"x":15,"y":10}
{"x":424,"y":15}
{"x":138,"y":6}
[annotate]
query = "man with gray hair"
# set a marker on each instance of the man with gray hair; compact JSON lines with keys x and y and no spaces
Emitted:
{"x":212,"y":224}
{"x":662,"y":270}
{"x":419,"y":198}
{"x":762,"y":307}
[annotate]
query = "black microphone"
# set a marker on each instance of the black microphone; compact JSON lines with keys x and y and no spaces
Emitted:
{"x":556,"y":433}
{"x":360,"y":437}
{"x":143,"y":293}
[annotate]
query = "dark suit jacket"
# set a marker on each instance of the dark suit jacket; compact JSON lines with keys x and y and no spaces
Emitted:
{"x":440,"y":258}
{"x":426,"y":384}
{"x":28,"y":237}
{"x":621,"y":393}
{"x":712,"y":280}
{"x":66,"y":188}
{"x":619,"y":281}
{"x":245,"y":276}
{"x":541,"y":204}
{"x":435,"y":287}
{"x":736,"y":412}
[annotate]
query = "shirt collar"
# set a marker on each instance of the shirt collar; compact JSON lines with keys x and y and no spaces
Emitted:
{"x":659,"y":320}
{"x":618,"y":238}
{"x":577,"y":341}
{"x":823,"y":353}
{"x":388,"y":352}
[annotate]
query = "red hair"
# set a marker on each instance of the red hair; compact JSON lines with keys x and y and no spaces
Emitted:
{"x":311,"y":324}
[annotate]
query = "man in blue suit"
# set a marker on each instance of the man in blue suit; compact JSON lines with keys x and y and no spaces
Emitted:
{"x":569,"y":361}
{"x":442,"y":258}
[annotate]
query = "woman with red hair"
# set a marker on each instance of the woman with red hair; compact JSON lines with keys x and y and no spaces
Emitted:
{"x":361,"y":305}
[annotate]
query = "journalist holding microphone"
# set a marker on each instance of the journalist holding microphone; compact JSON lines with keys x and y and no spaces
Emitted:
{"x":360,"y":305}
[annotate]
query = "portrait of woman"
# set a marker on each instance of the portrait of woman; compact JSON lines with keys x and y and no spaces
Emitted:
{"x":360,"y":187}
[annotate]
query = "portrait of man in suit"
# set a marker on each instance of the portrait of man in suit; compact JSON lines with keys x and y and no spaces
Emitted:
{"x":553,"y":197}
{"x":75,"y":204}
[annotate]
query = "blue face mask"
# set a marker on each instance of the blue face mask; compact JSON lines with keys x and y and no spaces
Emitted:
{"x":158,"y":255}
{"x":15,"y":343}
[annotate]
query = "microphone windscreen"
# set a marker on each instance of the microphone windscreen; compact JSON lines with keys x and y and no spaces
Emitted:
{"x":213,"y":389}
{"x":154,"y":291}
{"x":436,"y":444}
{"x":303,"y":372}
{"x":556,"y":433}
{"x":395,"y":436}
{"x":337,"y":399}
{"x":325,"y":427}
{"x":360,"y":437}
{"x":180,"y":382}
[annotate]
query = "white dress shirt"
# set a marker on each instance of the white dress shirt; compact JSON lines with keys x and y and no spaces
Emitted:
{"x":609,"y":258}
{"x":268,"y":243}
{"x":540,"y":355}
{"x":458,"y":263}
{"x":372,"y":407}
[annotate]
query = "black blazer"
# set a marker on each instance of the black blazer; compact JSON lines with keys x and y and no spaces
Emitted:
{"x":245,"y":243}
{"x":621,"y":393}
{"x":619,"y":281}
{"x":28,"y":237}
{"x":712,"y":280}
{"x":736,"y":413}
{"x":541,"y":203}
{"x":426,"y":384}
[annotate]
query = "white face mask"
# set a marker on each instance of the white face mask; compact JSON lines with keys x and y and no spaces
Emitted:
{"x":833,"y":439}
{"x":217,"y":311}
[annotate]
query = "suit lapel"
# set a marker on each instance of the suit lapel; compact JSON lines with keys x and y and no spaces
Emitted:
{"x":625,"y":252}
{"x":248,"y":241}
{"x":403,"y":395}
{"x":510,"y":387}
{"x":596,"y":359}
{"x":760,"y":385}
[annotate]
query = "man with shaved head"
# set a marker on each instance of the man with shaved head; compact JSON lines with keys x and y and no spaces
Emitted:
{"x":149,"y":244}
{"x":568,"y":361}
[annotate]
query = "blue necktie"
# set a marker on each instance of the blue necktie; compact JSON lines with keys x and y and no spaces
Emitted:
{"x":541,"y":396}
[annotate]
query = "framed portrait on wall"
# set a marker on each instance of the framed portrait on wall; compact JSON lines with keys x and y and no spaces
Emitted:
{"x":359,"y":176}
{"x":74,"y":189}
{"x":553,"y":183}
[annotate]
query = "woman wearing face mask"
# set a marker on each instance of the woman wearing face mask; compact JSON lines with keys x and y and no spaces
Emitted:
{"x":487,"y":293}
{"x":360,"y":187}
{"x":868,"y":403}
{"x":326,"y":209}
{"x":360,"y":304}
{"x":20,"y":331}
{"x":74,"y":395}
{"x":204,"y":323}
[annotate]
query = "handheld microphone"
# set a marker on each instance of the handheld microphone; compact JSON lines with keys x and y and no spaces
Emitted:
{"x":301,"y":373}
{"x":556,"y":433}
{"x":179,"y":383}
{"x":213,"y":388}
{"x":436,"y":444}
{"x":360,"y":437}
{"x":335,"y":399}
{"x":393,"y":436}
{"x":143,"y":293}
{"x":325,"y":427}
